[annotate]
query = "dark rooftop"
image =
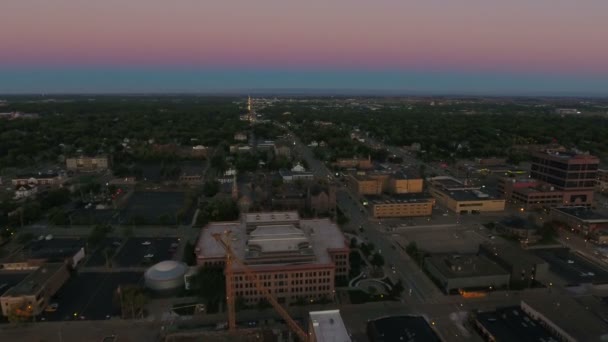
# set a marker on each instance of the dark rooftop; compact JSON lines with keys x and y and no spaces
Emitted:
{"x":460,"y":266}
{"x":511,"y":255}
{"x":470,"y":195}
{"x":513,"y":324}
{"x":34,"y":281}
{"x":517,"y":222}
{"x":582,"y":213}
{"x":401,"y":328}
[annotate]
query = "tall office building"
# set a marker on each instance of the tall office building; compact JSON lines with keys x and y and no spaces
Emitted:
{"x":572,"y":173}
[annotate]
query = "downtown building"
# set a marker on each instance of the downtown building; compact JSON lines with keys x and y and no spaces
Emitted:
{"x":560,"y":179}
{"x":296,"y":260}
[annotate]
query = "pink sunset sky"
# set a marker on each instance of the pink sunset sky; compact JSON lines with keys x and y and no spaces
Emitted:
{"x":562,"y":36}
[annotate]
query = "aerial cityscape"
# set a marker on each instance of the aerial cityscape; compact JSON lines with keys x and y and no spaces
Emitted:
{"x":324,"y":171}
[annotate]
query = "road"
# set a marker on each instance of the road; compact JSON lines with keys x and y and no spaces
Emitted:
{"x":418,"y":287}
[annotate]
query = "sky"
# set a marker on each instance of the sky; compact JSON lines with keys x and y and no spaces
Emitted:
{"x":419,"y":46}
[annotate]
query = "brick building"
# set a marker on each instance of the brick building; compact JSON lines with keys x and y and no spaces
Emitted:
{"x":557,"y":178}
{"x":297,"y":260}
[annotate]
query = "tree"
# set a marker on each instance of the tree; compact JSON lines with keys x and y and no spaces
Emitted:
{"x":412,"y":249}
{"x":132,"y":300}
{"x":548,"y":231}
{"x":377,"y":260}
{"x":98,"y":234}
{"x":211,"y":188}
{"x":127,"y":232}
{"x":210,"y":283}
{"x":397,"y":289}
{"x":107,"y":255}
{"x":189,"y":257}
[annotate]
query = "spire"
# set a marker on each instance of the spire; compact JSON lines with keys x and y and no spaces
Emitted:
{"x":249,"y":104}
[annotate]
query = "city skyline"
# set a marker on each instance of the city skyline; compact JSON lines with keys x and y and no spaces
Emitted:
{"x":544,"y":47}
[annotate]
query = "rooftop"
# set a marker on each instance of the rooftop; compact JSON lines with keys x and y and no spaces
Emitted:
{"x":277,"y":238}
{"x":571,"y":155}
{"x":469,"y":195}
{"x":401,"y":328}
{"x":34,"y":281}
{"x":512,"y":255}
{"x":569,"y":316}
{"x":328,"y":326}
{"x":461,"y":266}
{"x":448,"y":182}
{"x":513,"y":324}
{"x":582,"y":213}
{"x":321,"y":234}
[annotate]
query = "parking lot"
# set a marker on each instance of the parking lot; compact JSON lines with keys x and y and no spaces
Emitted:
{"x":149,"y":207}
{"x":133,"y":252}
{"x":571,"y":267}
{"x":442,"y":239}
{"x":55,"y":249}
{"x":97,"y":258}
{"x":91,"y":296}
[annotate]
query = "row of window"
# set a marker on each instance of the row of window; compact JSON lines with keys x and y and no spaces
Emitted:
{"x":302,"y":289}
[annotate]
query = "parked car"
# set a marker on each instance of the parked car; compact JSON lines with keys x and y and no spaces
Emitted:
{"x":52,"y":307}
{"x":146,"y":243}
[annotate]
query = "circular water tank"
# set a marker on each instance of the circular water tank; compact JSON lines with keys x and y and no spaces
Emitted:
{"x":166,"y":275}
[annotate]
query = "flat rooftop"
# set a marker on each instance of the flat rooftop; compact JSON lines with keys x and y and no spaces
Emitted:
{"x":322,"y":234}
{"x":34,"y":281}
{"x":571,"y":317}
{"x":513,"y":324}
{"x":455,"y":266}
{"x":567,"y":155}
{"x":329,"y":326}
{"x":396,"y":199}
{"x":448,"y":182}
{"x":401,"y":328}
{"x":512,"y":255}
{"x":582,"y":213}
{"x":469,"y":195}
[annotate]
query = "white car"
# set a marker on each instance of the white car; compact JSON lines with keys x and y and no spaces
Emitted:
{"x":149,"y":256}
{"x":571,"y":261}
{"x":49,"y":237}
{"x":146,"y":243}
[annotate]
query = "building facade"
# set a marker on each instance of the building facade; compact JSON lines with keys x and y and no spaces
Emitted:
{"x":82,"y":163}
{"x":572,"y":173}
{"x":392,"y":207}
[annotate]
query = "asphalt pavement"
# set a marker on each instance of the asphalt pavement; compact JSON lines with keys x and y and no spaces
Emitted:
{"x":90,"y":296}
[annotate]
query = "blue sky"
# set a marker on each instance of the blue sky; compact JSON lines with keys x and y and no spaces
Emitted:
{"x":193,"y":80}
